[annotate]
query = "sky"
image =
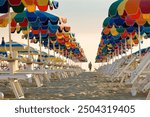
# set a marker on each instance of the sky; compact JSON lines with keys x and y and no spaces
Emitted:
{"x":85,"y":18}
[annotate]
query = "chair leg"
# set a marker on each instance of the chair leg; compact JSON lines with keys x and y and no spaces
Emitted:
{"x":134,"y":88}
{"x":122,"y":79}
{"x":46,"y":77}
{"x":1,"y":95}
{"x":49,"y":76}
{"x":38,"y":81}
{"x":17,"y":89}
{"x":148,"y":96}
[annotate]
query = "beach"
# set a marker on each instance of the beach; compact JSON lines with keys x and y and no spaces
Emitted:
{"x":86,"y":86}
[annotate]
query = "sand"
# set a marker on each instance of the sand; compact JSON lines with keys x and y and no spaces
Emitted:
{"x":86,"y":86}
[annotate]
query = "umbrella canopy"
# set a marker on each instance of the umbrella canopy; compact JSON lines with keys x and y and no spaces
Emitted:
{"x":36,"y":24}
{"x":19,"y":5}
{"x":124,"y":21}
{"x":33,"y":51}
{"x":15,"y":47}
{"x":4,"y":54}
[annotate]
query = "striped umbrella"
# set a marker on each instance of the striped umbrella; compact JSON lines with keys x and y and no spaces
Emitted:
{"x":15,"y":47}
{"x":33,"y":51}
{"x":3,"y":53}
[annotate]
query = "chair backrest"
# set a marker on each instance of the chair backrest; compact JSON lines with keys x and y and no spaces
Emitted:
{"x":139,"y":69}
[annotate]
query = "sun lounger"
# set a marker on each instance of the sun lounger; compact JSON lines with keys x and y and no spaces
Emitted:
{"x":148,"y":96}
{"x":124,"y":70}
{"x":13,"y":79}
{"x":140,"y":68}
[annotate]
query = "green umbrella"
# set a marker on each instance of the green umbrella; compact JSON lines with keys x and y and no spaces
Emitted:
{"x":106,"y":22}
{"x":113,"y":8}
{"x":20,"y":17}
{"x":104,"y":50}
{"x":120,"y":29}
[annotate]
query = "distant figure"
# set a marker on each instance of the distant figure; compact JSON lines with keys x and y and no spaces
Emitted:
{"x":24,"y":66}
{"x":90,"y":66}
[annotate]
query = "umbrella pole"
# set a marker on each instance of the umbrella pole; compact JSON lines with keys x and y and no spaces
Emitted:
{"x":12,"y":63}
{"x":40,"y":48}
{"x":48,"y":47}
{"x":125,"y":46}
{"x":69,"y":59}
{"x":102,"y":63}
{"x":107,"y":60}
{"x":10,"y":40}
{"x":118,"y":52}
{"x":28,"y":44}
{"x":81,"y":64}
{"x":99,"y":65}
{"x":139,"y":41}
{"x":54,"y":48}
{"x":59,"y":52}
{"x":115,"y":55}
{"x":63,"y":56}
{"x":112,"y":58}
{"x":121,"y":50}
{"x":131,"y":42}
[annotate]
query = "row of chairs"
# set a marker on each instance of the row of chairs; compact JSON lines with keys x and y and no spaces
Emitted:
{"x":44,"y":71}
{"x":130,"y":70}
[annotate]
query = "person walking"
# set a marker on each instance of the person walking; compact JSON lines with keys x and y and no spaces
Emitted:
{"x":90,"y":66}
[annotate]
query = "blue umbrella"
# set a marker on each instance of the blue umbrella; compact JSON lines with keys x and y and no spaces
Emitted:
{"x":3,"y":42}
{"x":3,"y":53}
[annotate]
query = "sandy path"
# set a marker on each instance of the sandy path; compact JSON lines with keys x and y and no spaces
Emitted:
{"x":88,"y":85}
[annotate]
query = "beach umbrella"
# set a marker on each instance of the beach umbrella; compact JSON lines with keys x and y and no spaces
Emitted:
{"x":19,"y":5}
{"x":113,"y":8}
{"x":4,"y":54}
{"x":138,"y":13}
{"x":2,"y":45}
{"x":43,"y":29}
{"x":43,"y":53}
{"x":39,"y":23}
{"x":128,"y":20}
{"x":3,"y":42}
{"x":33,"y":51}
{"x":15,"y":47}
{"x":113,"y":29}
{"x":48,"y":30}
